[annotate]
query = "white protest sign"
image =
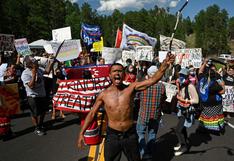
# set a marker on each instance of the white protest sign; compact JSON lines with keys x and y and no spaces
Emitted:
{"x":228,"y":99}
{"x":61,"y":34}
{"x":128,"y":54}
{"x":176,"y":44}
{"x":190,"y":57}
{"x":22,"y":46}
{"x":162,"y":55}
{"x":7,"y":42}
{"x":111,"y":55}
{"x":144,"y":53}
{"x":48,"y":48}
{"x":171,"y":91}
{"x":69,"y":50}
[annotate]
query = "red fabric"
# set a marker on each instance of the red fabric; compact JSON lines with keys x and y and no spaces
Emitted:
{"x":129,"y":77}
{"x":118,"y":38}
{"x":95,"y":138}
{"x":4,"y":125}
{"x":96,"y":71}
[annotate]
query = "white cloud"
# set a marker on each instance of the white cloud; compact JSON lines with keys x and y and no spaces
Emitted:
{"x":174,"y":3}
{"x":110,"y":5}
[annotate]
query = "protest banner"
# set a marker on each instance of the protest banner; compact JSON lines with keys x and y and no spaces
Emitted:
{"x":70,"y":49}
{"x":96,"y":71}
{"x":61,"y":34}
{"x":79,"y":95}
{"x":9,"y":99}
{"x":176,"y":44}
{"x":98,"y":46}
{"x":171,"y":91}
{"x":7,"y":42}
{"x":128,"y":54}
{"x":90,"y":34}
{"x":22,"y":47}
{"x":228,"y":99}
{"x":111,"y":54}
{"x":144,"y":53}
{"x":191,"y":56}
{"x":132,"y":38}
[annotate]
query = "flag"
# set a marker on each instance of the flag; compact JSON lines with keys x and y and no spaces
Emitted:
{"x":118,"y":38}
{"x":96,"y":71}
{"x":90,"y":34}
{"x":132,"y":38}
{"x":79,"y":95}
{"x":165,"y":43}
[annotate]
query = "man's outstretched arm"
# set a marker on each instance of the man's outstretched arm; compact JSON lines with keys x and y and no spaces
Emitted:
{"x":89,"y":118}
{"x":157,"y":76}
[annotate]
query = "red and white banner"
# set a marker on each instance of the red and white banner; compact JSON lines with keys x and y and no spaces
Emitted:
{"x":96,"y":71}
{"x":118,"y":38}
{"x":79,"y":95}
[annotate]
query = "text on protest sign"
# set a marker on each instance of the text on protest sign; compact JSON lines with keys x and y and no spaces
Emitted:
{"x":22,"y":46}
{"x":79,"y":95}
{"x":190,"y":57}
{"x":228,"y":99}
{"x":61,"y":34}
{"x":128,"y":54}
{"x":111,"y":54}
{"x":171,"y":91}
{"x":7,"y":42}
{"x":9,"y":100}
{"x":144,"y":53}
{"x":69,"y":50}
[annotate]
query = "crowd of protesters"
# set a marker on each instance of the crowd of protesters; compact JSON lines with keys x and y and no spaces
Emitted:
{"x":199,"y":94}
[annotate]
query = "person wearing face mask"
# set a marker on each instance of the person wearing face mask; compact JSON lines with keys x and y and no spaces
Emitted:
{"x":130,"y":74}
{"x":187,"y":97}
{"x":210,"y":89}
{"x":192,"y":75}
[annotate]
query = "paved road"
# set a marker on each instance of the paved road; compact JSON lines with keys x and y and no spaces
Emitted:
{"x":60,"y":142}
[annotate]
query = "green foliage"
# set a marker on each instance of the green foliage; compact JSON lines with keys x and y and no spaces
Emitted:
{"x":35,"y":19}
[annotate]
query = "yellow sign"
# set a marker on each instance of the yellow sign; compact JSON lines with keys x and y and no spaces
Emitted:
{"x":97,"y":46}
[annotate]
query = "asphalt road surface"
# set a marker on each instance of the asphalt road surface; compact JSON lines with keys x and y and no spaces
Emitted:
{"x":59,"y":144}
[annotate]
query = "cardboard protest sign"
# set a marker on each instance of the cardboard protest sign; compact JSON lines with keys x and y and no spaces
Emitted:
{"x":79,"y":95}
{"x":69,"y":50}
{"x":176,"y":44}
{"x":111,"y":54}
{"x":128,"y":54}
{"x":228,"y":99}
{"x":98,"y":46}
{"x":171,"y":91}
{"x":162,"y":55}
{"x":144,"y":53}
{"x":61,"y":34}
{"x":7,"y":42}
{"x":22,"y":46}
{"x":9,"y":100}
{"x":190,"y":57}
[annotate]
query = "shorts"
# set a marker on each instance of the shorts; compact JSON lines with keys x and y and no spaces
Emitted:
{"x":37,"y":105}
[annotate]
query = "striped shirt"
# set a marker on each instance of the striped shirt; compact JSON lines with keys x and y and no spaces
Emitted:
{"x":150,"y":103}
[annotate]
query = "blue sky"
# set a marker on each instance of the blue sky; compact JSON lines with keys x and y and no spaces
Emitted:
{"x":193,"y":7}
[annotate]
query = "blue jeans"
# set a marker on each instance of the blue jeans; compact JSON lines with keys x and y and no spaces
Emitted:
{"x":146,"y":143}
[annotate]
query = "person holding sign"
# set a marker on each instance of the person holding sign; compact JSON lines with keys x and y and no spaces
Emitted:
{"x":118,"y":100}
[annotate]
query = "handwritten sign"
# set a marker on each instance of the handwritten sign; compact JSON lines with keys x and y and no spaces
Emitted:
{"x":111,"y":54}
{"x":22,"y":46}
{"x":7,"y":42}
{"x":61,"y":34}
{"x":228,"y":99}
{"x":128,"y":54}
{"x":171,"y":91}
{"x":176,"y":44}
{"x":190,"y":57}
{"x":144,"y":53}
{"x":79,"y":95}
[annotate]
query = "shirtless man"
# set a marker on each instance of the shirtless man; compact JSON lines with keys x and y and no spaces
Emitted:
{"x":118,"y":101}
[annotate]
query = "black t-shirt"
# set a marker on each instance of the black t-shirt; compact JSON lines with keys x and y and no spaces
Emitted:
{"x":228,"y":80}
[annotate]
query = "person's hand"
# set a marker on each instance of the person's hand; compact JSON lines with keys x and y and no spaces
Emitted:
{"x":80,"y":141}
{"x":170,"y":58}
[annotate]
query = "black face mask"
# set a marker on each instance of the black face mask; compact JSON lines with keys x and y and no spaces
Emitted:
{"x":213,"y":74}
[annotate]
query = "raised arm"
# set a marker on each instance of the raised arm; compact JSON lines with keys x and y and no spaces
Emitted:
{"x":157,"y":76}
{"x":89,"y":118}
{"x":203,"y":66}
